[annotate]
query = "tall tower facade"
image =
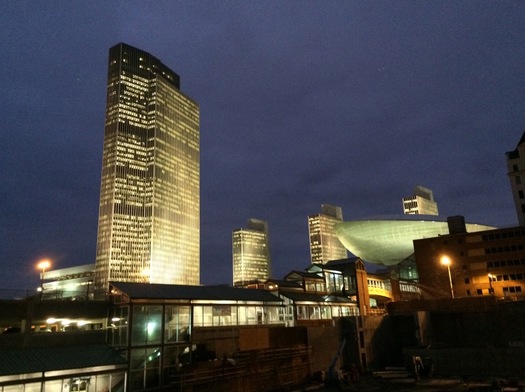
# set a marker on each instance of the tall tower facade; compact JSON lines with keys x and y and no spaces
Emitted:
{"x":421,"y":202}
{"x":149,"y":216}
{"x":516,"y":173}
{"x":251,"y":253}
{"x":324,"y":244}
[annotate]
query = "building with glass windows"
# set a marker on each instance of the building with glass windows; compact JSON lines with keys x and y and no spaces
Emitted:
{"x":516,"y":173}
{"x":251,"y":253}
{"x":81,"y":368}
{"x":75,"y":283}
{"x":149,"y":217}
{"x":421,"y":202}
{"x":324,"y":243}
{"x":484,"y":263}
{"x":57,"y":345}
{"x":161,"y":328}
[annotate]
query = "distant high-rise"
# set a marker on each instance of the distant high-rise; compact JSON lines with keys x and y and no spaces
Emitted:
{"x":516,"y":173}
{"x":421,"y":202}
{"x":324,"y":244}
{"x":149,"y":217}
{"x":251,"y":253}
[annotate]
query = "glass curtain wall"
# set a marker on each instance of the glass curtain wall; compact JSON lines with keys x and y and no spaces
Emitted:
{"x":226,"y":315}
{"x":325,"y":312}
{"x":107,"y":382}
{"x":159,"y":337}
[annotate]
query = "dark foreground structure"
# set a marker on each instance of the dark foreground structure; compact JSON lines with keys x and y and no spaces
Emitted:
{"x":188,"y":338}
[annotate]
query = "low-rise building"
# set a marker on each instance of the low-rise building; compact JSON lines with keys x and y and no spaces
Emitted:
{"x":482,"y":263}
{"x":161,"y":328}
{"x":72,"y":283}
{"x":71,"y":368}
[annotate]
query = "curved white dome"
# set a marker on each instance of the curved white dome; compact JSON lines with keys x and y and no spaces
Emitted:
{"x":389,"y":241}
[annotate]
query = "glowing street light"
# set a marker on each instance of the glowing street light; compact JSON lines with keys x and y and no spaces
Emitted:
{"x":445,"y":260}
{"x":491,"y":289}
{"x":43,"y":265}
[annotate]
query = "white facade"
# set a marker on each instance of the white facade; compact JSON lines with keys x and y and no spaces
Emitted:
{"x":420,"y":203}
{"x":516,"y":173}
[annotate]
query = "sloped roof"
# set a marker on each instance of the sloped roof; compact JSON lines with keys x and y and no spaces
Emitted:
{"x":312,"y":297}
{"x":212,"y":293}
{"x":522,"y":140}
{"x":341,"y":265}
{"x":308,"y":275}
{"x":514,"y":154}
{"x":43,"y":359}
{"x":285,"y":283}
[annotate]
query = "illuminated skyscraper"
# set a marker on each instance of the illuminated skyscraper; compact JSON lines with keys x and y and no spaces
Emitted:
{"x":420,"y":203}
{"x":251,"y":253}
{"x":516,"y":173}
{"x":149,"y":217}
{"x":324,"y":244}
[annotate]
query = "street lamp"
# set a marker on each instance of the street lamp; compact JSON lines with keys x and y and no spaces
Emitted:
{"x":90,"y":281}
{"x":43,"y":265}
{"x":491,"y":290}
{"x":445,"y":260}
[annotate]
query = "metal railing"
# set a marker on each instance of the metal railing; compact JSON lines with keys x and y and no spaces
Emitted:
{"x":251,"y":371}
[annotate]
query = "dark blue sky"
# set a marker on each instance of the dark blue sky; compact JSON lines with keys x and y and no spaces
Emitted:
{"x":302,"y":103}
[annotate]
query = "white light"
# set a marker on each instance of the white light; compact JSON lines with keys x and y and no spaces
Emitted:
{"x":151,"y":327}
{"x":51,"y":320}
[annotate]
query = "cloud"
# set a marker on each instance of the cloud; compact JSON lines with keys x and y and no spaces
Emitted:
{"x":301,"y":104}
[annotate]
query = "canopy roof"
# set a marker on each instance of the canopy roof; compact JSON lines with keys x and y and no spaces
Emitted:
{"x":182,"y":292}
{"x":44,"y":359}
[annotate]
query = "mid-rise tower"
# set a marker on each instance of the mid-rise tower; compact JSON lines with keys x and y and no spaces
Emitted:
{"x":251,"y":253}
{"x":324,"y":244}
{"x":516,"y":173}
{"x":421,"y":202}
{"x":149,"y":217}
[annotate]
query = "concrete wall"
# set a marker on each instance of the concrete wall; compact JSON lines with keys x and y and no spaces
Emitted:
{"x":476,"y":341}
{"x":473,"y":363}
{"x":279,"y":355}
{"x":324,"y":343}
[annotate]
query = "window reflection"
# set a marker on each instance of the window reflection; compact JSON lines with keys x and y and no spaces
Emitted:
{"x":147,"y":323}
{"x":177,"y":324}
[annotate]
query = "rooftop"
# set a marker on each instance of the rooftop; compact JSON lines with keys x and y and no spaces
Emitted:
{"x":44,"y":359}
{"x":183,"y":292}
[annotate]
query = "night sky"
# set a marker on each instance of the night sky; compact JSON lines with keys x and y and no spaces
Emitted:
{"x":303,"y":103}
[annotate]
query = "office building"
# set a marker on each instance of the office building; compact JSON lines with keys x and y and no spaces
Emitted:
{"x":149,"y":228}
{"x":516,"y":173}
{"x":251,"y":253}
{"x":471,"y":264}
{"x":324,"y":244}
{"x":75,"y":283}
{"x":421,"y":202}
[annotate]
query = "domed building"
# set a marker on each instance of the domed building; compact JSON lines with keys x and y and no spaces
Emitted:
{"x":389,"y":240}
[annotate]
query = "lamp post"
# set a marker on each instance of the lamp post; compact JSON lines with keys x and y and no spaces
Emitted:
{"x":43,"y":265}
{"x":89,"y":282}
{"x":491,"y":289}
{"x":445,"y":260}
